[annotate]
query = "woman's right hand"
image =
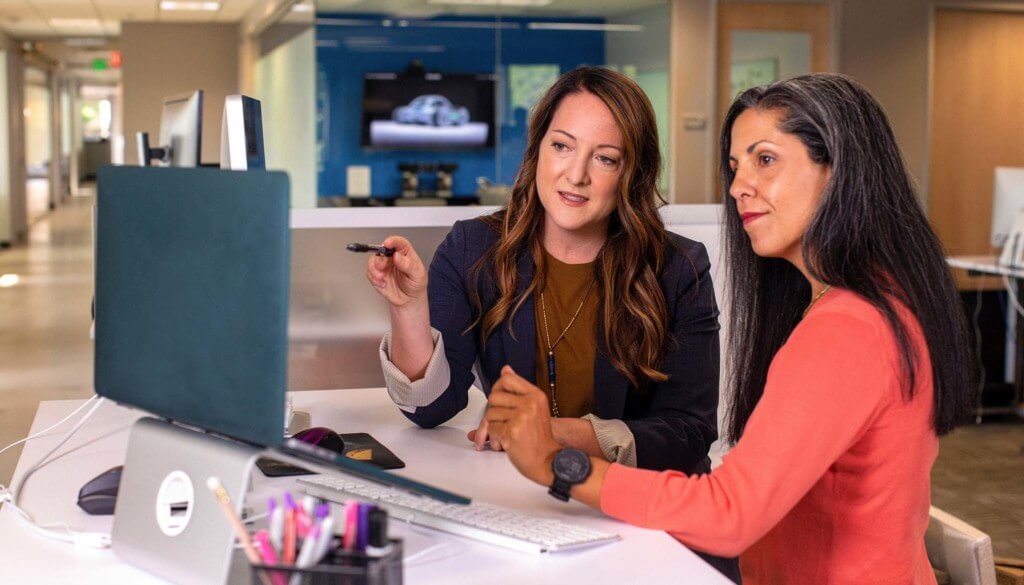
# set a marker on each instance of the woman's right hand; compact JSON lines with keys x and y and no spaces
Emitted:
{"x":400,"y":278}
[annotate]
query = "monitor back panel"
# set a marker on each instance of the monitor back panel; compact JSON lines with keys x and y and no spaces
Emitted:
{"x":192,"y":272}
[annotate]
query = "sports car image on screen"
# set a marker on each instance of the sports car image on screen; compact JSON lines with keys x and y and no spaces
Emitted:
{"x":431,"y":110}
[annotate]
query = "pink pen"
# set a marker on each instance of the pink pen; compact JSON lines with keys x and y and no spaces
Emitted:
{"x":269,"y":555}
{"x":351,"y":523}
{"x":302,"y":522}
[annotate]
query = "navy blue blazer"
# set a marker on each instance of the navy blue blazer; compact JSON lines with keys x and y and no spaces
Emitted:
{"x":673,"y":422}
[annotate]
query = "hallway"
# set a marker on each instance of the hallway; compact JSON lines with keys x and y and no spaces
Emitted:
{"x":45,"y":350}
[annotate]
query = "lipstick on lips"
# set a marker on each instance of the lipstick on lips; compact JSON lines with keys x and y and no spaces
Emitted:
{"x":572,"y":198}
{"x":750,"y":216}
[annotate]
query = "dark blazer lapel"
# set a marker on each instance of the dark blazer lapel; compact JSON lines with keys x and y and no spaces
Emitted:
{"x":521,"y":352}
{"x":610,"y":385}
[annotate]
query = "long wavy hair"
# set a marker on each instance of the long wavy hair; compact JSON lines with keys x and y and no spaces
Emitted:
{"x":629,"y":264}
{"x":869,"y":235}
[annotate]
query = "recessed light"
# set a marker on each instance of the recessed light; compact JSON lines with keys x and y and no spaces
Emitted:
{"x":585,"y":26}
{"x":8,"y":280}
{"x":85,"y":42}
{"x":75,"y":22}
{"x":187,"y":5}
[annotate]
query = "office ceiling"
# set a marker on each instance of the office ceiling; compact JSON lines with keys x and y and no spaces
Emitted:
{"x":34,"y":19}
{"x":41,"y":19}
{"x":426,"y":8}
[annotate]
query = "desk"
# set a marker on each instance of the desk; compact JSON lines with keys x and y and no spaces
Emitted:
{"x":988,"y":265}
{"x":440,"y":456}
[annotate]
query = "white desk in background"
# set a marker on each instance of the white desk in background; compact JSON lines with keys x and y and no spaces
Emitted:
{"x":989,"y":266}
{"x":440,"y":456}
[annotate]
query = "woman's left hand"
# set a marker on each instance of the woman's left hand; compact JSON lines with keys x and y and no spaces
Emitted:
{"x":518,"y":415}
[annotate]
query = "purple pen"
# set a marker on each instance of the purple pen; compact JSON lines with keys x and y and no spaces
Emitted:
{"x":321,"y":512}
{"x":363,"y":530}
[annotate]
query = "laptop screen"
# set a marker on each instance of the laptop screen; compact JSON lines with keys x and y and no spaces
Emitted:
{"x":192,"y":273}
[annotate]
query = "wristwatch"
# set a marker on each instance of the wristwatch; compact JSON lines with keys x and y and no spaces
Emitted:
{"x":571,"y":467}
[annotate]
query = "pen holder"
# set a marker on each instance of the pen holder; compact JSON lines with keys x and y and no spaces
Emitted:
{"x":340,"y":567}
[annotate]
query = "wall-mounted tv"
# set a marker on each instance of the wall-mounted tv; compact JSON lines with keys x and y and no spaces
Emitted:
{"x":428,"y":111}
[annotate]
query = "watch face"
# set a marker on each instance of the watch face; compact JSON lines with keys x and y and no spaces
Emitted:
{"x":571,"y":465}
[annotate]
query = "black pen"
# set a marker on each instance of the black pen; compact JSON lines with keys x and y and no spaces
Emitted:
{"x":379,"y":250}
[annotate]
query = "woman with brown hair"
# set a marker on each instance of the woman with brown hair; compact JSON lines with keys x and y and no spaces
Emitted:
{"x":575,"y":283}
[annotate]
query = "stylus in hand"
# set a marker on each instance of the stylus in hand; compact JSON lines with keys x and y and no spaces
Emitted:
{"x":379,"y":250}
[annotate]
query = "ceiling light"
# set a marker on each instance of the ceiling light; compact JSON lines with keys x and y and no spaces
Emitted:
{"x":188,"y":5}
{"x":8,"y":280}
{"x":85,"y":42}
{"x":492,"y":2}
{"x":302,"y":7}
{"x":75,"y":22}
{"x":582,"y":26}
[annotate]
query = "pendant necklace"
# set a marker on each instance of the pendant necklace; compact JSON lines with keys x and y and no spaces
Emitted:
{"x":551,"y":346}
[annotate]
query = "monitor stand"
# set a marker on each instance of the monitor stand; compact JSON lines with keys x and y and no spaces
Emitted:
{"x":166,"y":520}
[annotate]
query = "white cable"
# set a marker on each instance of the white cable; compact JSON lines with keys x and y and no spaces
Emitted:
{"x":16,"y":486}
{"x":977,"y":354}
{"x":64,"y":420}
{"x":1013,"y":296}
{"x":9,"y":498}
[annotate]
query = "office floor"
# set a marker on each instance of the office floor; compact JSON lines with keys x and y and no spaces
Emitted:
{"x":46,"y":354}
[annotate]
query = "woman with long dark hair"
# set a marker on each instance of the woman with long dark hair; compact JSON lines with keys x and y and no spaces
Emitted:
{"x":847,"y":353}
{"x":575,"y":283}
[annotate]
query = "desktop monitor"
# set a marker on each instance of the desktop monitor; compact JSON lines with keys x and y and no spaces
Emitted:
{"x":180,"y":141}
{"x":1007,"y":202}
{"x":241,"y":135}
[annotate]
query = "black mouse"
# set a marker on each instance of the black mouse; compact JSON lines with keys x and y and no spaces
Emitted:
{"x":98,"y":496}
{"x":322,"y":437}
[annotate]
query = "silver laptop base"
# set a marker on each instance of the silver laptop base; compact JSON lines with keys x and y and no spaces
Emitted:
{"x":166,"y":520}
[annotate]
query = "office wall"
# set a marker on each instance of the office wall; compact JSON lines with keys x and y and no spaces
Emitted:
{"x":13,"y":214}
{"x":284,"y":80}
{"x":887,"y":45}
{"x":692,"y":100}
{"x":160,"y":59}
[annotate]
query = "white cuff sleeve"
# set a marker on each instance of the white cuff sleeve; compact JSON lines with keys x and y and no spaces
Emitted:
{"x":409,"y":395}
{"x":616,"y":440}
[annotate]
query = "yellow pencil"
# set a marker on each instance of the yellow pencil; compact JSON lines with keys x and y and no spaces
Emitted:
{"x":225,"y":503}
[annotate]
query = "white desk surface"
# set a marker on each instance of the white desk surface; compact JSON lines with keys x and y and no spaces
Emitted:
{"x":985,"y":265}
{"x":440,"y":456}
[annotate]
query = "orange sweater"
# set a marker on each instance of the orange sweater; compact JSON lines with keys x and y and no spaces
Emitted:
{"x":830,"y":482}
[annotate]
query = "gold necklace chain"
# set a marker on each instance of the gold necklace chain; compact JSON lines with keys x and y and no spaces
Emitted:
{"x":821,"y":294}
{"x":551,"y":346}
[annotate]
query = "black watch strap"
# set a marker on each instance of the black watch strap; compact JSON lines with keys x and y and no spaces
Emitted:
{"x":560,"y":489}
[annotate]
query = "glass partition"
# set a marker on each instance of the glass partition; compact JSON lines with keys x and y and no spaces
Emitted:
{"x":433,"y":100}
{"x":762,"y":57}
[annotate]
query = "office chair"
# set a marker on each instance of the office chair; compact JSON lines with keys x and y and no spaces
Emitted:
{"x":959,"y":549}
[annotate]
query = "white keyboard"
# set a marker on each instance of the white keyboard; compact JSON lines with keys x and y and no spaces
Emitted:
{"x":483,"y":522}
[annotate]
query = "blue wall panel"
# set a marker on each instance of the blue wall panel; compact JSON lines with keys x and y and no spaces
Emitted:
{"x":345,"y":53}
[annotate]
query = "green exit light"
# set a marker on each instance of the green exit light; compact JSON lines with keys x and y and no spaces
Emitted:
{"x":100,"y":64}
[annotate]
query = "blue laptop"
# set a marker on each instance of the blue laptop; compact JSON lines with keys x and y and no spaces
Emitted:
{"x":192,"y":280}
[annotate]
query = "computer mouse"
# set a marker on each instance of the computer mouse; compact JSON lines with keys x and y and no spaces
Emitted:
{"x":98,"y":496}
{"x":322,"y":437}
